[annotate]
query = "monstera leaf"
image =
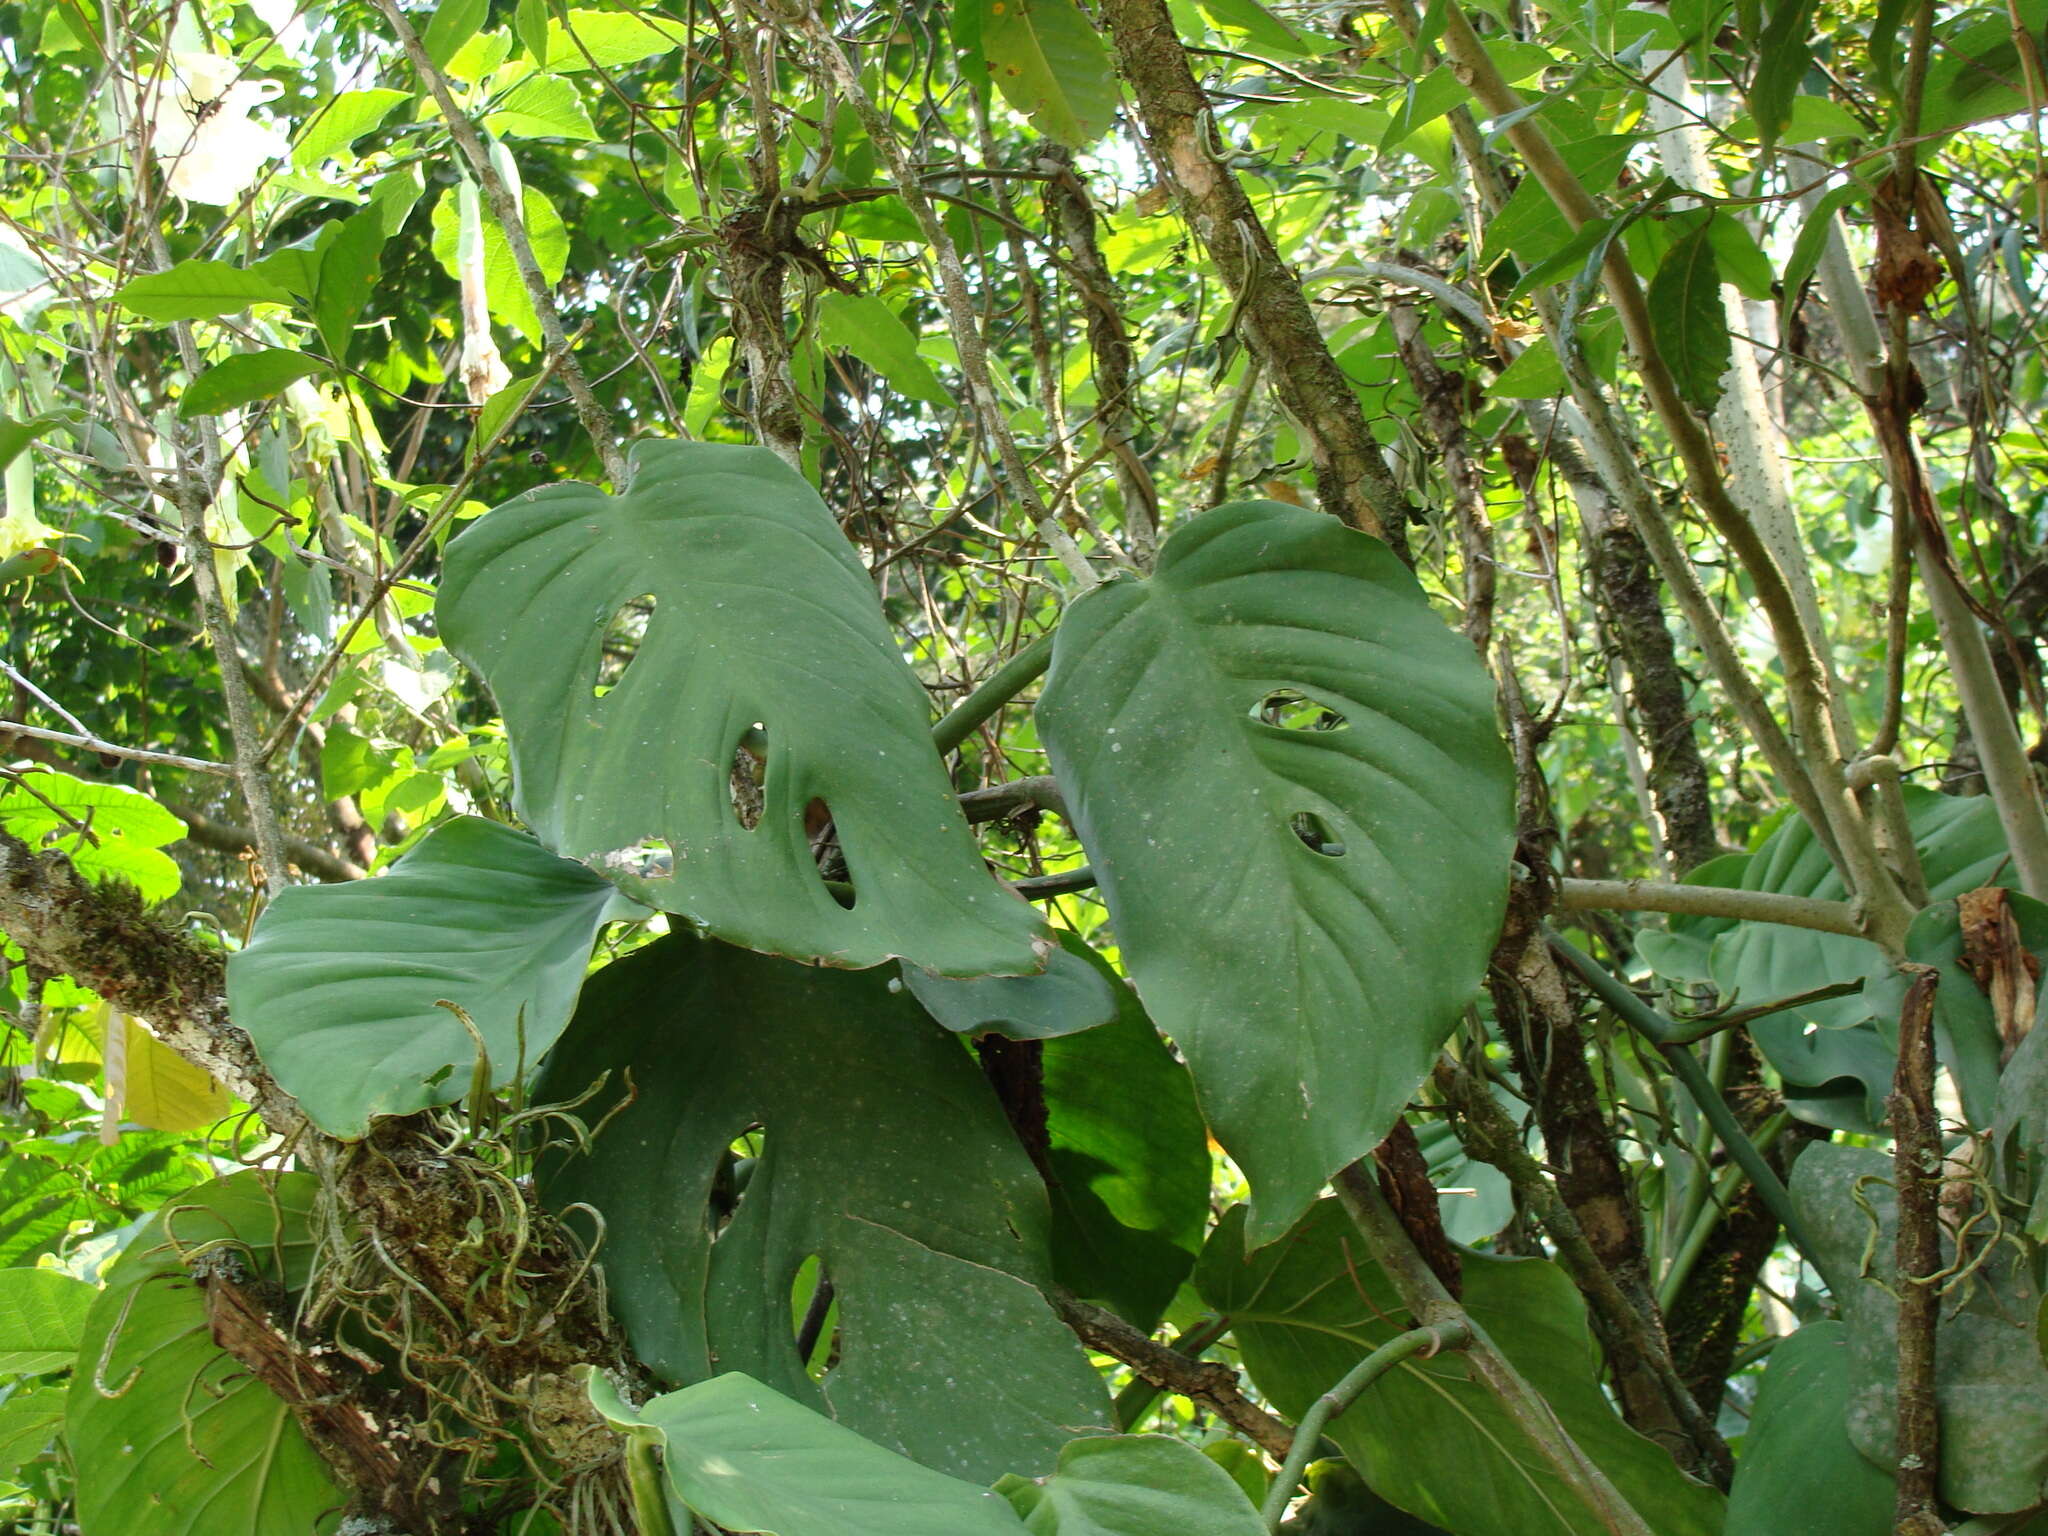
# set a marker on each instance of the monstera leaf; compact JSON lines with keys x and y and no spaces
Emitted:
{"x":884,"y":1156}
{"x":1306,"y":1310}
{"x":341,"y":985}
{"x":1286,"y":774}
{"x":765,"y":642}
{"x":1991,"y":1383}
{"x":178,"y":1438}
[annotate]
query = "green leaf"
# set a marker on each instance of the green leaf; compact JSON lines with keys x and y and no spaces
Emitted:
{"x":1535,"y":375}
{"x":1742,"y":261}
{"x":342,"y":121}
{"x":1133,"y":1485}
{"x":762,"y":614}
{"x":1836,"y":1065}
{"x":1991,"y":1384}
{"x":1050,"y":63}
{"x":884,"y":1155}
{"x":1813,"y":236}
{"x":15,"y":436}
{"x":42,"y":1313}
{"x":1689,"y":321}
{"x":530,"y":24}
{"x":745,"y":1458}
{"x":1071,"y":994}
{"x":1426,"y":100}
{"x":1797,"y":1444}
{"x":863,"y":325}
{"x":1130,"y":1162}
{"x":503,"y":405}
{"x":350,"y":264}
{"x":1370,"y":824}
{"x":30,"y":1420}
{"x":1783,"y":56}
{"x":2019,"y":1137}
{"x":194,"y":1445}
{"x":1261,"y":28}
{"x":198,"y":290}
{"x":126,"y":829}
{"x":542,"y":107}
{"x":503,"y":286}
{"x":454,"y":23}
{"x":1427,"y":1437}
{"x":608,"y":40}
{"x":340,"y":984}
{"x":248,"y":376}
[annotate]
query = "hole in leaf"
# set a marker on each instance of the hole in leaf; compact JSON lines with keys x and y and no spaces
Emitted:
{"x":748,"y":779}
{"x":824,"y":840}
{"x":1316,"y":835}
{"x":649,"y":859}
{"x":737,"y":1165}
{"x":621,"y":644}
{"x":1292,"y":710}
{"x":814,"y":1316}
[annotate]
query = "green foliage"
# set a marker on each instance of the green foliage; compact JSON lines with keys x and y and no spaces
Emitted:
{"x":878,"y":1149}
{"x":729,"y":656}
{"x":1800,"y":1476}
{"x":1050,"y":63}
{"x":1132,"y":1485}
{"x":477,"y":915}
{"x":179,"y":1437}
{"x":1360,"y":817}
{"x":1307,"y":1309}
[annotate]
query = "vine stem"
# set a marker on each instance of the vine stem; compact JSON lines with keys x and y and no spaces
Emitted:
{"x":1670,"y":1038}
{"x":595,"y":419}
{"x":1423,"y":1294}
{"x":1416,"y":1341}
{"x":996,"y":690}
{"x":1916,"y":1179}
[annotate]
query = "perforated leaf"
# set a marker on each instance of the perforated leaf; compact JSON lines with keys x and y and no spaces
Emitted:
{"x":884,"y":1155}
{"x":1285,"y":770}
{"x":765,"y":630}
{"x":341,"y":984}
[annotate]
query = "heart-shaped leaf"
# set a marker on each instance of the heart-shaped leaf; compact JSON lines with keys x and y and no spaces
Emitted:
{"x":1286,"y":774}
{"x":1427,"y":1437}
{"x":172,"y":1435}
{"x":766,"y":643}
{"x":340,"y":986}
{"x":881,"y":1153}
{"x":746,"y":1458}
{"x":41,"y":1314}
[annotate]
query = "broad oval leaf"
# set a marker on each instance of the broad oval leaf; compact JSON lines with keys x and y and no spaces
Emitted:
{"x":762,"y":617}
{"x":198,"y":290}
{"x":139,"y":1451}
{"x":883,"y":1155}
{"x":339,"y":987}
{"x":1132,"y":1485}
{"x":1991,"y":1384}
{"x":1051,"y":64}
{"x":1798,"y":1441}
{"x":1285,"y":771}
{"x":1427,"y":1437}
